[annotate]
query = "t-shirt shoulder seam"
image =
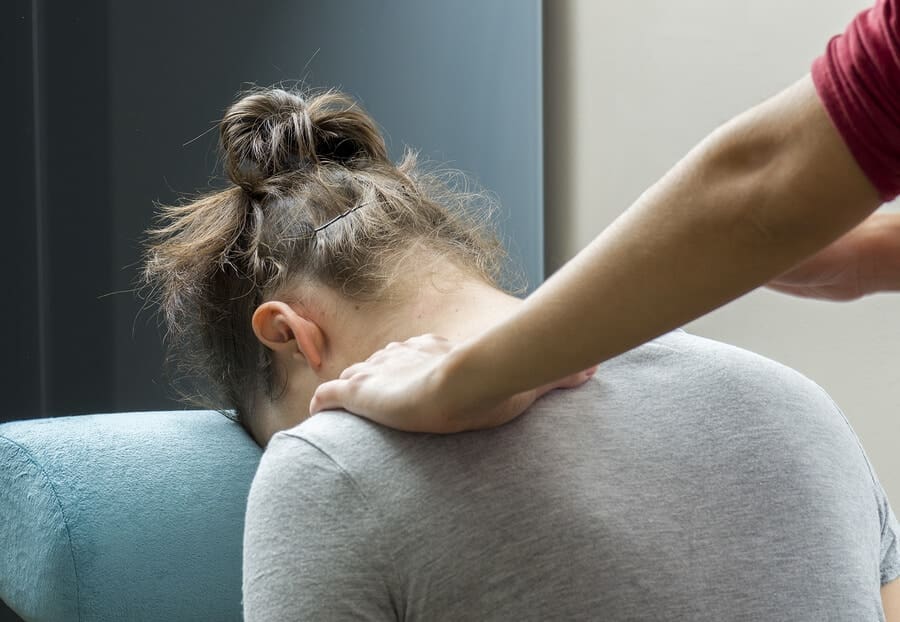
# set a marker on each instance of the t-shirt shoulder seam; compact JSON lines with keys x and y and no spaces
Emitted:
{"x":362,"y":495}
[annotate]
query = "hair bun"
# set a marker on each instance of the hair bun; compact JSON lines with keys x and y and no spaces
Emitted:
{"x":273,"y":131}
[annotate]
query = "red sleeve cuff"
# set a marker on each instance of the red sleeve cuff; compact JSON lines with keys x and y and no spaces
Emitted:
{"x":858,"y":81}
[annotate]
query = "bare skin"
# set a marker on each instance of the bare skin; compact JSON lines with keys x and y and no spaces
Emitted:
{"x":890,"y":600}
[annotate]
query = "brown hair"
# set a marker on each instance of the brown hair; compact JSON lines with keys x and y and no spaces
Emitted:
{"x":313,"y":195}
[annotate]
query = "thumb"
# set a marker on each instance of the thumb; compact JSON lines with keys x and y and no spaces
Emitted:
{"x":569,"y":382}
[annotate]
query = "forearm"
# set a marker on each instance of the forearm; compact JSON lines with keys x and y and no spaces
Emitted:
{"x":771,"y":187}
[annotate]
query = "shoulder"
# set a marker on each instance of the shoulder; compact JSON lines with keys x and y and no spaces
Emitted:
{"x":309,"y":534}
{"x":331,"y":446}
{"x":754,"y":394}
{"x":724,"y":370}
{"x":293,"y":471}
{"x":313,"y":450}
{"x":340,"y":436}
{"x":300,"y":498}
{"x":713,"y":383}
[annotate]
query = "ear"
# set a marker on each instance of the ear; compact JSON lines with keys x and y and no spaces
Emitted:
{"x":282,"y":329}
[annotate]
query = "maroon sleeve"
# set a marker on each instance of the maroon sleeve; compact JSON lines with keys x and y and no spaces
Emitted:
{"x":858,"y":80}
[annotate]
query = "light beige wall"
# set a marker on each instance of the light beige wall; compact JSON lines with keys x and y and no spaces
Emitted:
{"x":630,"y":87}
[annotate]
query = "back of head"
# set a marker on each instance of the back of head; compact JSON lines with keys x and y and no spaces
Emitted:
{"x":313,"y":197}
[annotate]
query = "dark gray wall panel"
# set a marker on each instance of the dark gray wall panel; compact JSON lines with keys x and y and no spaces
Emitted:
{"x":112,"y":104}
{"x":59,"y":351}
{"x":20,"y":366}
{"x":20,"y":308}
{"x":77,"y":227}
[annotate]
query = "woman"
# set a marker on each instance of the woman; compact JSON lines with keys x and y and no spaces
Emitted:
{"x":695,"y":481}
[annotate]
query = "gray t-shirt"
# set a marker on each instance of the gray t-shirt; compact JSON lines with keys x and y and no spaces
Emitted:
{"x":689,"y":480}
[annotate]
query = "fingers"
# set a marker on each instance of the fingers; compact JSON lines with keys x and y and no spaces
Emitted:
{"x":428,"y":338}
{"x":424,"y":343}
{"x":354,"y":369}
{"x":432,"y":343}
{"x":569,"y":382}
{"x":329,"y":395}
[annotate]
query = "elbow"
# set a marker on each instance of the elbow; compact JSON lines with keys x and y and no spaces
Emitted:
{"x":788,"y":183}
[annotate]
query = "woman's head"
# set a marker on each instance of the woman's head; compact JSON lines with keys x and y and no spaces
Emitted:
{"x":314,"y":201}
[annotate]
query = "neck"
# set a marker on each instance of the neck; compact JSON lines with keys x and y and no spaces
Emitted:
{"x":459,"y":312}
{"x":457,"y":308}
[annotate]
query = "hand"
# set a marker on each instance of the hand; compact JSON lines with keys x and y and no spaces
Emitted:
{"x":407,"y":386}
{"x":847,"y":269}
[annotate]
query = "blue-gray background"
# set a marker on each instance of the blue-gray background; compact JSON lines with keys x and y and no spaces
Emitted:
{"x":110,"y":95}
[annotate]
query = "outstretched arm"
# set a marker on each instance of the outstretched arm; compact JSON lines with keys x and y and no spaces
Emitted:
{"x":769,"y":188}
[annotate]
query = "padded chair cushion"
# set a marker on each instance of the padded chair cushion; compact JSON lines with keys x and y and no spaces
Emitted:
{"x":125,"y":516}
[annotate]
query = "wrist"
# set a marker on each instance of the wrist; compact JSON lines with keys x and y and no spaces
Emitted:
{"x":462,"y":387}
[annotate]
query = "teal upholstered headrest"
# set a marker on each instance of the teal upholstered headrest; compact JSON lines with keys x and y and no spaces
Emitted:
{"x":126,"y":516}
